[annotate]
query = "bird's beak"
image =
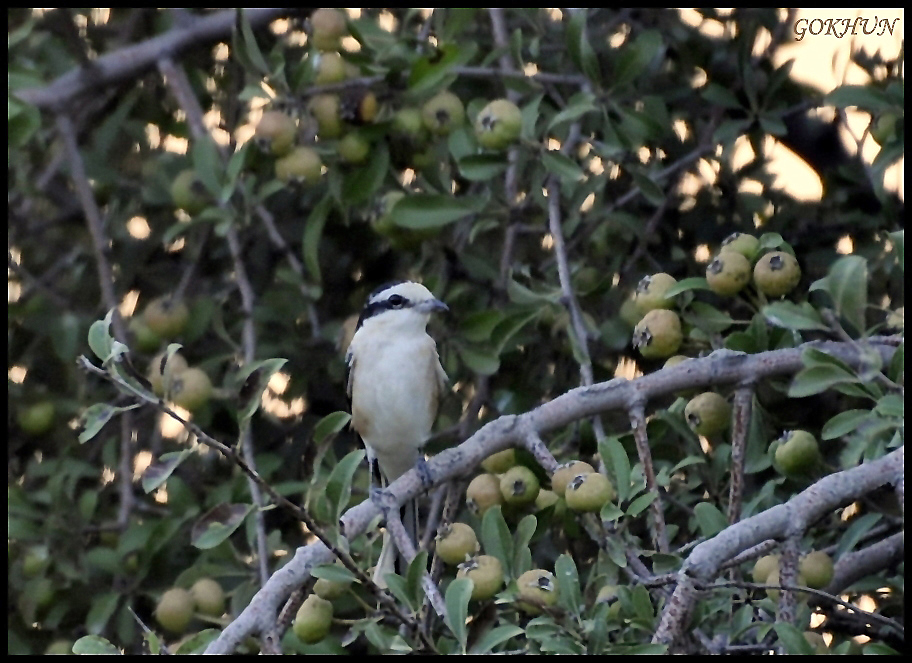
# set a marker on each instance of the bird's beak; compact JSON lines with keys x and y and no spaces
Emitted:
{"x":432,"y":306}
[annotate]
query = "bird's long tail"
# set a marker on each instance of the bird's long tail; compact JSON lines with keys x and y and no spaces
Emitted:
{"x":391,"y":560}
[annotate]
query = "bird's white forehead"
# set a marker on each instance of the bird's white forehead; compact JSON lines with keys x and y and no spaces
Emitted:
{"x":414,"y":292}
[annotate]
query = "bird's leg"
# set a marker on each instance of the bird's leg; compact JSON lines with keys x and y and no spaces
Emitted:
{"x":378,"y":493}
{"x":424,"y":472}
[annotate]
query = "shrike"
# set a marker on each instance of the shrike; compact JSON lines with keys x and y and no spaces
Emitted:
{"x":394,"y":382}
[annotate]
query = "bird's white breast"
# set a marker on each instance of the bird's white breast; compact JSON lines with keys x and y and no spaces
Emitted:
{"x":394,"y":395}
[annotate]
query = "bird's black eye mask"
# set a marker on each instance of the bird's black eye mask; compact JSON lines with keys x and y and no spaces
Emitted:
{"x":391,"y":303}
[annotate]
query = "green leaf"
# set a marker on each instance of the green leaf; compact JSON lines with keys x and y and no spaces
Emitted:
{"x":338,"y":486}
{"x":218,"y":524}
{"x":103,"y":606}
{"x":496,"y":539}
{"x":523,"y":296}
{"x":579,"y":48}
{"x":334,"y":572}
{"x":844,"y":423}
{"x":207,"y":164}
{"x":868,"y":98}
{"x":891,"y":405}
{"x":610,"y":512}
{"x":618,"y":463}
{"x":430,"y":72}
{"x":496,"y":636}
{"x":858,"y":528}
{"x":94,"y":645}
{"x":100,"y":340}
{"x":568,"y":585}
{"x":651,"y":191}
{"x":429,"y":210}
{"x":313,"y":233}
{"x":157,"y":473}
{"x":707,"y":317}
{"x":363,"y":183}
{"x":330,"y":425}
{"x":482,"y":167}
{"x":798,"y":317}
{"x":720,"y":95}
{"x":478,"y":360}
{"x":817,"y":379}
{"x":96,"y":416}
{"x":685,"y":285}
{"x":640,"y":504}
{"x":847,"y":285}
{"x":477,"y":327}
{"x":637,"y":56}
{"x":251,"y":48}
{"x":793,"y":639}
{"x":710,"y":520}
{"x":562,"y":166}
{"x":578,"y":105}
{"x":457,"y":604}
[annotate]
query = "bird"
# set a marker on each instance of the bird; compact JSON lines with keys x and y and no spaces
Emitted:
{"x":395,"y":381}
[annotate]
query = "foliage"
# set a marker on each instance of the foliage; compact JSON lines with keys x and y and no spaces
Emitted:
{"x":536,"y":248}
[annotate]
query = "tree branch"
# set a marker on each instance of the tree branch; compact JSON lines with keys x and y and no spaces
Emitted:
{"x":133,"y":61}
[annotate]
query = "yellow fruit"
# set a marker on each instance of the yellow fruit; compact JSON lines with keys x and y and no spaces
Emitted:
{"x":354,"y":148}
{"x":498,"y":124}
{"x":650,"y":293}
{"x":175,"y":610}
{"x":519,"y":485}
{"x":486,"y":574}
{"x":708,"y":413}
{"x":457,"y":543}
{"x":817,"y":568}
{"x":537,"y":590}
{"x":728,"y":273}
{"x":482,"y":493}
{"x":159,"y":381}
{"x":328,"y":26}
{"x":565,"y":473}
{"x":275,"y":132}
{"x":658,"y":334}
{"x":209,"y":597}
{"x":443,"y":113}
{"x":609,"y":594}
{"x":777,"y":273}
{"x":188,"y":193}
{"x":589,"y":492}
{"x":313,"y":619}
{"x":303,"y":164}
{"x":327,"y":110}
{"x":191,"y":389}
{"x":746,"y":245}
{"x":166,"y":317}
{"x":330,"y":69}
{"x":36,"y":419}
{"x":797,"y":453}
{"x":146,"y":339}
{"x":499,"y":462}
{"x":763,"y":567}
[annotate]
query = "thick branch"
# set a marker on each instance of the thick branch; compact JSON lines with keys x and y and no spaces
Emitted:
{"x":132,"y":61}
{"x":721,"y":367}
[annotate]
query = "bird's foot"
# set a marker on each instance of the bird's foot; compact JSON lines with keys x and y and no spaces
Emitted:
{"x":424,"y":472}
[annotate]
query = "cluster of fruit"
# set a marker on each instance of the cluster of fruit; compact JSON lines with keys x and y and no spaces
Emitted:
{"x":186,"y":386}
{"x":658,"y":333}
{"x":314,"y":617}
{"x":165,"y":319}
{"x":177,"y":606}
{"x":815,"y":570}
{"x":505,"y":483}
